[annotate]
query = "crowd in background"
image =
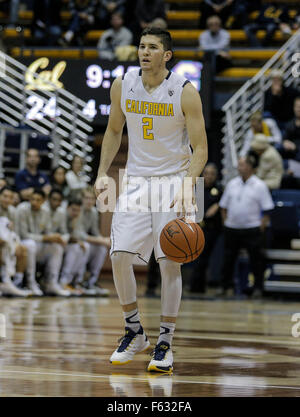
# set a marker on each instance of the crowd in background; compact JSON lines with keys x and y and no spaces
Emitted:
{"x":49,"y":28}
{"x":49,"y":226}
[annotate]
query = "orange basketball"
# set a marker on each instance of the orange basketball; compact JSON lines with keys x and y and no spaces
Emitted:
{"x":182,"y":242}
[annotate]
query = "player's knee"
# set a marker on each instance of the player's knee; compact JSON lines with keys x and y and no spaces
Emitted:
{"x":122,"y":259}
{"x":169,"y":268}
{"x":30,"y":246}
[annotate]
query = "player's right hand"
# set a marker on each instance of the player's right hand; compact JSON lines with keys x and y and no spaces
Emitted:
{"x":101,"y":184}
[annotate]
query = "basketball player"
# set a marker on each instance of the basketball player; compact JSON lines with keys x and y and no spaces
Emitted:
{"x":164,"y":117}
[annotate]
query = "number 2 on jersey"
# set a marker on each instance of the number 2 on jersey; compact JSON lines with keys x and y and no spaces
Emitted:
{"x":147,"y":127}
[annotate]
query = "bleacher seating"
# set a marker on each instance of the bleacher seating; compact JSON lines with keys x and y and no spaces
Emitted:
{"x":285,"y":218}
{"x":183,"y":18}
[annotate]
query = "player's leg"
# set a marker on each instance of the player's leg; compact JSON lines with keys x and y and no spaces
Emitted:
{"x":52,"y":254}
{"x":72,"y":254}
{"x":132,"y":243}
{"x":96,"y":261}
{"x":81,"y":263}
{"x":32,"y":250}
{"x":135,"y":339}
{"x":171,"y":290}
{"x":21,"y":264}
{"x":171,"y":281}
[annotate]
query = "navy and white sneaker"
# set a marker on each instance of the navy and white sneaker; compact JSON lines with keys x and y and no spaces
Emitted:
{"x":162,"y":358}
{"x":130,"y":344}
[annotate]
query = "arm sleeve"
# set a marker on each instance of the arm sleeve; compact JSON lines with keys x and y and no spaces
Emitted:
{"x":24,"y":229}
{"x":225,"y":198}
{"x":266,"y":200}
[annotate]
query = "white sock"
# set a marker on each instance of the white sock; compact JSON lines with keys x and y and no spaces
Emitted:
{"x":166,"y":332}
{"x":132,"y":319}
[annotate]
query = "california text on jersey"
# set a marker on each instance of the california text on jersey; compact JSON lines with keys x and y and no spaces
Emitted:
{"x":153,"y":109}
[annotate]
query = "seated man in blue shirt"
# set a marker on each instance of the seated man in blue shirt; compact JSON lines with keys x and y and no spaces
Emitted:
{"x":30,"y":178}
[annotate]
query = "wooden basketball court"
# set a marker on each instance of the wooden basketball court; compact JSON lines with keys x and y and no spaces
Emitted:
{"x":61,"y":347}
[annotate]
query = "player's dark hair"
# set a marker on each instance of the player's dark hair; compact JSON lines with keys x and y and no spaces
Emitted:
{"x":74,"y":202}
{"x":252,"y":159}
{"x":6,"y":188}
{"x":55,"y":191}
{"x":163,"y":35}
{"x":39,"y":192}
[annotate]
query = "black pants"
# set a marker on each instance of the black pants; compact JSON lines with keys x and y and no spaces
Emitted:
{"x":252,"y":241}
{"x":198,"y":277}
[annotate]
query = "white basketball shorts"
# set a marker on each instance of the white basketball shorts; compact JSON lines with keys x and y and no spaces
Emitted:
{"x":142,"y":211}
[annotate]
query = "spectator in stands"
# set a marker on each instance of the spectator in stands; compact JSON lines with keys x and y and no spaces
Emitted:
{"x":57,"y":214}
{"x":290,"y":150}
{"x":211,"y":226}
{"x":221,"y":8}
{"x":107,"y":8}
{"x":9,"y":241}
{"x":82,"y":18}
{"x":272,"y":16}
{"x":244,"y":200}
{"x":46,"y":25}
{"x":59,"y":182}
{"x":241,"y":10}
{"x":11,"y":8}
{"x":77,"y":251}
{"x":270,"y":165}
{"x":75,"y":178}
{"x":291,"y":138}
{"x":267,"y":126}
{"x":116,"y":36}
{"x":98,"y":244}
{"x":43,"y":246}
{"x":279,"y":100}
{"x":13,"y":254}
{"x":147,"y":11}
{"x":216,"y":39}
{"x":30,"y":178}
{"x":16,"y":200}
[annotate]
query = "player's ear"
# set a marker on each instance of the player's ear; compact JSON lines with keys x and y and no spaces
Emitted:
{"x":168,"y":56}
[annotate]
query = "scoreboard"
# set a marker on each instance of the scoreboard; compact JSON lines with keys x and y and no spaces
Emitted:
{"x":90,"y":80}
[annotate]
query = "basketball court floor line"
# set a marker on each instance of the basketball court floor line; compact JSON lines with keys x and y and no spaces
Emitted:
{"x":179,"y":381}
{"x":154,"y":334}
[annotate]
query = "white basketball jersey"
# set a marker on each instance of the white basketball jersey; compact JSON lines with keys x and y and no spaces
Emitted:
{"x":158,"y":141}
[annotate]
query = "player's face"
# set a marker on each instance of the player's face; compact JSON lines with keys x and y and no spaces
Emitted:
{"x":74,"y":211}
{"x":60,"y":176}
{"x":244,"y":168}
{"x":88,"y":201}
{"x":55,"y":201}
{"x":33,"y":158}
{"x":210,"y":175}
{"x":256,"y":125}
{"x":152,"y":55}
{"x":77,"y":164}
{"x":36,"y":202}
{"x":6,"y":199}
